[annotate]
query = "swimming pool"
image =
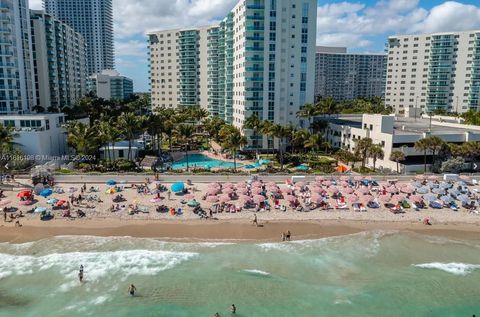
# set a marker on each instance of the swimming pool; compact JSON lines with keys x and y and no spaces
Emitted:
{"x":202,"y":161}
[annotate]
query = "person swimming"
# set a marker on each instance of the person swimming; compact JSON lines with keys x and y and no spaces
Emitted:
{"x":233,"y":309}
{"x":132,"y":289}
{"x":80,"y":274}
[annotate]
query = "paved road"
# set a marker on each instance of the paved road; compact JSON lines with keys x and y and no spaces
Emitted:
{"x":133,"y":178}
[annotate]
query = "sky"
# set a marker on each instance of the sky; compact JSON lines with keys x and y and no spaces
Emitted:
{"x":362,"y":26}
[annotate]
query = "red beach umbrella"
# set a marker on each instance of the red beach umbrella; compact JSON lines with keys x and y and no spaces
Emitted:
{"x":258,"y":198}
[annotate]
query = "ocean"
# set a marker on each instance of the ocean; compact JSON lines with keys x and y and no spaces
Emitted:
{"x":367,"y":274}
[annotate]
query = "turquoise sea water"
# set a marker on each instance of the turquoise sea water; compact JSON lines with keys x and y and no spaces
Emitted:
{"x":202,"y":161}
{"x":367,"y":274}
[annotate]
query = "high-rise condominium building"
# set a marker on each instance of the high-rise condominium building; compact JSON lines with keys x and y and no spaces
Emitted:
{"x":60,"y":62}
{"x":16,"y":63}
{"x":346,"y":76}
{"x":259,"y":60}
{"x":439,"y":71}
{"x":109,"y":84}
{"x":94,"y":20}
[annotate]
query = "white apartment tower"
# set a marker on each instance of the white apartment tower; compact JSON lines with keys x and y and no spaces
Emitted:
{"x":94,"y":20}
{"x":16,"y":63}
{"x":428,"y":72}
{"x":60,"y":62}
{"x":259,"y":60}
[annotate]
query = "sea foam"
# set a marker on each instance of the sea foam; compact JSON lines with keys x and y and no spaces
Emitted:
{"x":453,"y":268}
{"x":257,"y":272}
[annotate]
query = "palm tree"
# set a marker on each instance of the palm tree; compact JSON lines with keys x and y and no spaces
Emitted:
{"x":103,"y":128}
{"x":397,"y":156}
{"x":435,"y":144}
{"x":363,"y":148}
{"x":422,"y":145}
{"x":308,"y":111}
{"x":471,"y":150}
{"x":299,"y":138}
{"x":376,"y":152}
{"x":267,"y":129}
{"x":184,"y":133}
{"x":232,"y":140}
{"x":314,"y":142}
{"x":82,"y":138}
{"x":129,"y":124}
{"x":7,"y":135}
{"x":280,"y":132}
{"x":326,"y":106}
{"x":255,"y":124}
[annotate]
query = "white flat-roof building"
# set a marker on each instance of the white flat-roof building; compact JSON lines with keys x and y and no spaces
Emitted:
{"x":396,"y":133}
{"x":109,"y":84}
{"x":40,"y":136}
{"x":438,"y":71}
{"x":346,"y":76}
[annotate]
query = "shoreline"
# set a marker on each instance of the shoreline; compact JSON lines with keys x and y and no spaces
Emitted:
{"x":233,"y":230}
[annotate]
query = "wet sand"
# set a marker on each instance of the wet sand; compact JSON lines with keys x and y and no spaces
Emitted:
{"x":224,"y":230}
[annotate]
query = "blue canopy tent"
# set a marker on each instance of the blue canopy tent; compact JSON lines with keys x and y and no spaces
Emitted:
{"x":177,"y":187}
{"x":111,"y":182}
{"x":46,"y":192}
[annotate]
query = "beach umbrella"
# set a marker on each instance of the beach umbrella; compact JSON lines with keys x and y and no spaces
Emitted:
{"x":111,"y":182}
{"x":258,"y":199}
{"x":358,"y":178}
{"x":438,"y":191}
{"x":46,"y":192}
{"x":228,"y":190}
{"x":290,"y":198}
{"x":317,"y":189}
{"x":420,"y":177}
{"x":433,"y":178}
{"x":213,"y":191}
{"x":445,"y":185}
{"x":385,"y":198}
{"x":24,"y":202}
{"x":241,"y":185}
{"x":5,"y":202}
{"x":367,"y":198}
{"x":454,"y":191}
{"x":213,"y":185}
{"x":416,"y":198}
{"x":189,"y":196}
{"x":417,"y":184}
{"x":407,"y":189}
{"x":348,"y":190}
{"x":257,"y":190}
{"x":270,"y":184}
{"x":363,"y":190}
{"x":430,"y":197}
{"x":316,"y":199}
{"x":155,"y":200}
{"x":300,"y":184}
{"x":224,"y":198}
{"x":287,"y":190}
{"x":398,"y":198}
{"x":212,"y":199}
{"x":446,"y":199}
{"x":352,"y":198}
{"x":320,"y":178}
{"x":274,"y":189}
{"x":463,"y":198}
{"x":327,"y":183}
{"x":72,"y":190}
{"x":423,"y":190}
{"x":177,"y":187}
{"x":61,"y":202}
{"x":333,"y":190}
{"x":40,"y":209}
{"x":243,"y":191}
{"x":52,"y":201}
{"x":245,"y":198}
{"x":465,"y":178}
{"x":392,"y":189}
{"x":25,"y":193}
{"x":345,"y":178}
{"x":228,"y":185}
{"x":257,"y":184}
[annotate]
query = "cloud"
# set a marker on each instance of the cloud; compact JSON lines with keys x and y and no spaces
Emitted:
{"x":343,"y":39}
{"x":449,"y":16}
{"x":131,"y":48}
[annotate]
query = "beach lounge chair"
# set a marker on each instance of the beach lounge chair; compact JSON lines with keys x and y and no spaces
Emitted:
{"x":341,"y":207}
{"x":363,"y":208}
{"x":435,"y":205}
{"x":356,"y":207}
{"x":373,"y":205}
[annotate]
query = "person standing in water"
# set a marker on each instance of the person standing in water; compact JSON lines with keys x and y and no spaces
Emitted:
{"x":255,"y":220}
{"x":80,"y":274}
{"x":132,"y":289}
{"x":233,"y":309}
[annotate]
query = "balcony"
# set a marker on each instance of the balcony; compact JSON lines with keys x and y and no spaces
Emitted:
{"x":254,"y":49}
{"x":255,"y":7}
{"x":255,"y":17}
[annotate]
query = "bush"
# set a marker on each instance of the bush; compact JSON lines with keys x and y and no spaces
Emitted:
{"x":125,"y":165}
{"x":453,"y":165}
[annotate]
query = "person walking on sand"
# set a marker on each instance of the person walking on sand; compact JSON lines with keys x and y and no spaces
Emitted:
{"x":132,"y":289}
{"x":169,"y":193}
{"x":233,"y":309}
{"x":4,"y":215}
{"x":255,"y":220}
{"x":288,"y":235}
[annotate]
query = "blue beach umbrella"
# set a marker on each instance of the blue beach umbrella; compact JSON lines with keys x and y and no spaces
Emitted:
{"x":446,"y":199}
{"x":111,"y":182}
{"x":463,"y":198}
{"x":423,"y":190}
{"x":46,"y":192}
{"x":445,"y":185}
{"x":52,"y":201}
{"x":438,"y":191}
{"x":430,"y":197}
{"x":177,"y":187}
{"x":40,"y":209}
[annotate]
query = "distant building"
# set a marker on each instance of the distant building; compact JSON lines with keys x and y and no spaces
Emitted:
{"x":259,"y":60}
{"x":16,"y":62}
{"x":397,"y":134}
{"x":40,"y":136}
{"x":94,"y":20}
{"x":109,"y":84}
{"x":60,"y":62}
{"x":438,"y":71}
{"x":346,"y":76}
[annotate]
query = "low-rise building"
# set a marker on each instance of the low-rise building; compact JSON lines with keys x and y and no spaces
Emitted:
{"x":109,"y":84}
{"x":397,"y":134}
{"x":41,"y":137}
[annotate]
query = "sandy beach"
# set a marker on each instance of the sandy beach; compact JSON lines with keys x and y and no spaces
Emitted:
{"x":100,"y":221}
